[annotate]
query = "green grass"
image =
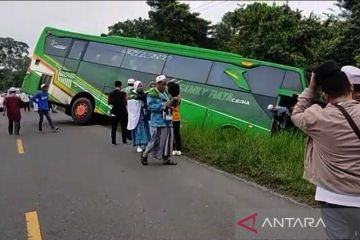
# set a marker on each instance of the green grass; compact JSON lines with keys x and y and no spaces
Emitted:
{"x":272,"y":161}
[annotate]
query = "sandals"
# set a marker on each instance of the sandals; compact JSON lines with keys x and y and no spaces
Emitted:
{"x":169,"y":162}
{"x":166,"y":161}
{"x":143,"y":159}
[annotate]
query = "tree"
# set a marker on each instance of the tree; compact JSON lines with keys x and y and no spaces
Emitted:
{"x":173,"y":22}
{"x":169,"y":21}
{"x":278,"y":34}
{"x":223,"y":32}
{"x":348,"y":47}
{"x":139,"y":28}
{"x":12,"y":53}
{"x":315,"y":40}
{"x":158,"y":4}
{"x":14,"y":61}
{"x":260,"y":31}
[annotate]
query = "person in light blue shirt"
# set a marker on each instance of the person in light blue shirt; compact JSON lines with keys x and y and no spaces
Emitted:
{"x":42,"y":100}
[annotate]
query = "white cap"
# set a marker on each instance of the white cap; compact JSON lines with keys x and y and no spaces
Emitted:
{"x":270,"y":107}
{"x":42,"y":86}
{"x":131,"y":81}
{"x":160,"y":78}
{"x":12,"y":89}
{"x":353,"y":74}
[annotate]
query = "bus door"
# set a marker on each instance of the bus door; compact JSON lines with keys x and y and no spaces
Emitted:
{"x":47,"y":80}
{"x":290,"y":89}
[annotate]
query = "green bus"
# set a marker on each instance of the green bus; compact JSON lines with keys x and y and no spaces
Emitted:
{"x":218,"y":89}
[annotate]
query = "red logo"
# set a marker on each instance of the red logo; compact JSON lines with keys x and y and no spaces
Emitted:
{"x":250,"y":228}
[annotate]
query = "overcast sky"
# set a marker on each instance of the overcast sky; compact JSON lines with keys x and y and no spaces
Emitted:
{"x":25,"y":20}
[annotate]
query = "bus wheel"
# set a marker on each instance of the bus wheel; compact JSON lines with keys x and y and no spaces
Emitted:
{"x":82,"y":110}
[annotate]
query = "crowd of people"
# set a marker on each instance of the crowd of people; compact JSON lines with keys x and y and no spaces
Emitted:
{"x":150,"y":119}
{"x":13,"y":102}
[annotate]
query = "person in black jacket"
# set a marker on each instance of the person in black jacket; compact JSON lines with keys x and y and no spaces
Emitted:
{"x":118,"y":100}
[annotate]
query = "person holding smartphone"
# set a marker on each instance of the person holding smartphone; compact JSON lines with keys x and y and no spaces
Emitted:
{"x":332,"y":159}
{"x":160,"y":104}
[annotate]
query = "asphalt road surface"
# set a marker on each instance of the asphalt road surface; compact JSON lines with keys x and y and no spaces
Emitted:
{"x":81,"y":187}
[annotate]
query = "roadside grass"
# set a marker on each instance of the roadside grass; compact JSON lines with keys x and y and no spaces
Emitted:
{"x":275,"y":162}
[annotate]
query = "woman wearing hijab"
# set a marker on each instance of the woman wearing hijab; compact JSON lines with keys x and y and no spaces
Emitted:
{"x":138,"y":116}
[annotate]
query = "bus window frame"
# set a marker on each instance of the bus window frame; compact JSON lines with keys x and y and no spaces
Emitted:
{"x":103,"y":43}
{"x":83,"y":51}
{"x":73,"y":59}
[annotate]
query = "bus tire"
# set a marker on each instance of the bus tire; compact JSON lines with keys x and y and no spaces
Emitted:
{"x":82,"y":110}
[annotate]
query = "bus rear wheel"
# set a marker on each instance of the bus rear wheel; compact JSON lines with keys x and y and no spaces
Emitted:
{"x":82,"y":110}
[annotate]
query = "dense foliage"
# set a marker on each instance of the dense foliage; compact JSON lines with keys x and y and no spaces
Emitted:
{"x":258,"y":30}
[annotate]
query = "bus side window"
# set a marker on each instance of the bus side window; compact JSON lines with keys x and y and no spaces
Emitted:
{"x":292,"y":81}
{"x":106,"y":54}
{"x":187,"y":68}
{"x":144,"y":61}
{"x":77,"y":49}
{"x":56,"y":46}
{"x":227,"y":76}
{"x":265,"y":80}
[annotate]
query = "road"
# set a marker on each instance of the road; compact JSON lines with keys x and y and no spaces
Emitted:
{"x":82,"y":187}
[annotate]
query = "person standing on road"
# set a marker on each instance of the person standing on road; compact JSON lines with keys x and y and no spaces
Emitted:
{"x":130,"y":86}
{"x":25,"y":98}
{"x":118,"y":99}
{"x":332,"y":159}
{"x":160,"y":105}
{"x":174,"y":91}
{"x":42,"y":101}
{"x":138,"y":117}
{"x":12,"y":105}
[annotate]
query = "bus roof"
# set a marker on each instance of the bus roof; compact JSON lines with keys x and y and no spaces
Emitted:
{"x":165,"y":47}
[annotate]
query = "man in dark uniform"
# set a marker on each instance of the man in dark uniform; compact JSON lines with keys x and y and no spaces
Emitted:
{"x":118,"y":100}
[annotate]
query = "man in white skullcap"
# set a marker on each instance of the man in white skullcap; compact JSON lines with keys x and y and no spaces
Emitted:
{"x":353,"y":74}
{"x":130,"y":86}
{"x":160,"y":104}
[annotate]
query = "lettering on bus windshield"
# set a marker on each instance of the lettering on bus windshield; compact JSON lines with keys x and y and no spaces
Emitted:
{"x":212,"y":94}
